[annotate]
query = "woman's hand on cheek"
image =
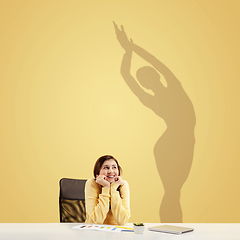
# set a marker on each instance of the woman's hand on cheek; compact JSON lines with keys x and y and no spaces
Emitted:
{"x":101,"y":180}
{"x":118,"y":180}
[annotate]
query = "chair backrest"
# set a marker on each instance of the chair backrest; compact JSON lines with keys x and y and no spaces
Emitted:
{"x":72,"y":200}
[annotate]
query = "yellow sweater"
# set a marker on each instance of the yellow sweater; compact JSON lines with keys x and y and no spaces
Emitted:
{"x":97,"y":199}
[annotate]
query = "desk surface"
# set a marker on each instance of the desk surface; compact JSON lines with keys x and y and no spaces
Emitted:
{"x":65,"y":231}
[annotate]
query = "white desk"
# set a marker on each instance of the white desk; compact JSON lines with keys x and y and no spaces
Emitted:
{"x":64,"y":231}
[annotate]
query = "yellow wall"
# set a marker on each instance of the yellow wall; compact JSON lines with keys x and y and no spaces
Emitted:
{"x":63,"y":102}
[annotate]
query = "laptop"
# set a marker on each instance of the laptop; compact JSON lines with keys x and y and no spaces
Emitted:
{"x":171,"y":229}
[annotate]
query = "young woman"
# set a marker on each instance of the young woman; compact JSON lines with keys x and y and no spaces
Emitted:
{"x":107,"y":196}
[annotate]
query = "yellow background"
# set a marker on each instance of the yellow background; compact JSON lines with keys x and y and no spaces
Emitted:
{"x":63,"y":102}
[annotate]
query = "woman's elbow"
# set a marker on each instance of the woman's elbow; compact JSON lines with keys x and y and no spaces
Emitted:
{"x":124,"y":220}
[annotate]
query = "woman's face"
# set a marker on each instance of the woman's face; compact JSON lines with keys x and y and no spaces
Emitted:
{"x":110,"y":170}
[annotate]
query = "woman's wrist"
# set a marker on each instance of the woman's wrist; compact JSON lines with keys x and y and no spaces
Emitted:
{"x":106,"y":185}
{"x":114,"y":185}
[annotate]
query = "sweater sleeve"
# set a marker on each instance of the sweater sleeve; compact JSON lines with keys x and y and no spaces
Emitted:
{"x":120,"y":203}
{"x":97,"y":204}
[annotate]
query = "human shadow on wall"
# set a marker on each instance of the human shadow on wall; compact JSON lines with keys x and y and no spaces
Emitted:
{"x":174,"y":149}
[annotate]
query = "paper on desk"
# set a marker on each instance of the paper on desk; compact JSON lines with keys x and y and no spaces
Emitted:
{"x":104,"y":228}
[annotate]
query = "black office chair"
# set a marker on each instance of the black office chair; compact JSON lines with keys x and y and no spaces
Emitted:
{"x":72,"y":200}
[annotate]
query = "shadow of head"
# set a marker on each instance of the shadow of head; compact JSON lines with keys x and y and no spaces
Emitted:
{"x":148,"y":77}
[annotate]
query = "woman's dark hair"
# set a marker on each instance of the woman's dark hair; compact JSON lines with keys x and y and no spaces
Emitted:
{"x":100,"y":162}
